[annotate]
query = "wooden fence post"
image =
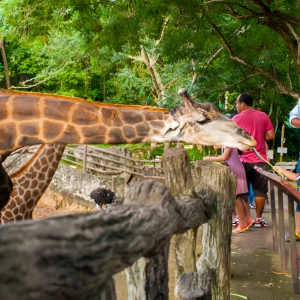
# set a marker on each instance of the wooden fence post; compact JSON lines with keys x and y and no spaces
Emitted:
{"x":84,"y":158}
{"x":141,"y":276}
{"x":216,"y":241}
{"x":179,"y":179}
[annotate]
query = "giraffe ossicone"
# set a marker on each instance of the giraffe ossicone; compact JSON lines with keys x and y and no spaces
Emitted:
{"x":33,"y":118}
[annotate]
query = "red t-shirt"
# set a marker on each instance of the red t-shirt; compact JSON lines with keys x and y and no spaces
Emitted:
{"x":257,"y":124}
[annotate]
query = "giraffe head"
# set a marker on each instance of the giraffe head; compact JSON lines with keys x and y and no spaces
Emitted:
{"x":204,"y":124}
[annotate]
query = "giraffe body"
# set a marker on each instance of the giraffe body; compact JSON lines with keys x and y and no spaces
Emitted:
{"x":31,"y":181}
{"x":31,"y":118}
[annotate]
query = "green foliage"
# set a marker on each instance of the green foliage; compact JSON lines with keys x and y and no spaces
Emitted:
{"x":92,"y":49}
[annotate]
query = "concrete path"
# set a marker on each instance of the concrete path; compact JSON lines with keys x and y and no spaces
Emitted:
{"x":256,"y":271}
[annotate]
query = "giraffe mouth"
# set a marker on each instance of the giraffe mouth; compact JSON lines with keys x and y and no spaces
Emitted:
{"x":173,"y":131}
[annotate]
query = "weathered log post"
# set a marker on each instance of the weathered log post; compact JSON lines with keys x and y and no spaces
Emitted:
{"x":141,"y":275}
{"x":180,"y":182}
{"x":213,"y":267}
{"x":75,"y":256}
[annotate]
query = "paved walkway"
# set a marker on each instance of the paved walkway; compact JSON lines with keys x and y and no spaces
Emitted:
{"x":256,"y":271}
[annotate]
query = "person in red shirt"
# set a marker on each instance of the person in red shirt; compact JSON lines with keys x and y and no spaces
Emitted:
{"x":258,"y":125}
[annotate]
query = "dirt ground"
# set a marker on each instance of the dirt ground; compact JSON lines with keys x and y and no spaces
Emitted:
{"x":41,"y":212}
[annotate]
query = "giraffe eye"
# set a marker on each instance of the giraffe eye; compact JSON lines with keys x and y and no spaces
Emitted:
{"x":203,"y":121}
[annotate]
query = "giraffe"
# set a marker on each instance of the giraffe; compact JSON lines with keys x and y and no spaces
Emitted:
{"x":34,"y":118}
{"x":31,"y":181}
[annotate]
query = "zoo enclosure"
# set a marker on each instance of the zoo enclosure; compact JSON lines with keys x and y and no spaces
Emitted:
{"x":78,"y":262}
{"x":107,"y":162}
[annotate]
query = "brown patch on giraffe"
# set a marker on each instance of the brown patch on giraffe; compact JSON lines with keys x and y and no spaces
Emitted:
{"x":16,"y":211}
{"x":45,"y":166}
{"x":30,"y":203}
{"x":51,"y":130}
{"x":8,"y":214}
{"x":21,"y":191}
{"x":51,"y":157}
{"x":26,"y":184}
{"x":34,"y":174}
{"x":137,"y":140}
{"x":109,"y":115}
{"x":56,"y":109}
{"x":27,"y":194}
{"x":143,"y":129}
{"x":157,"y":124}
{"x":19,"y":201}
{"x":115,"y":134}
{"x":44,"y":163}
{"x":131,"y":117}
{"x":24,"y":140}
{"x":49,"y":151}
{"x":30,"y":128}
{"x":93,"y":131}
{"x":166,"y":116}
{"x":22,"y":207}
{"x":34,"y":184}
{"x":151,"y":116}
{"x":7,"y":136}
{"x":41,"y":185}
{"x":22,"y":109}
{"x":70,"y":135}
{"x":85,"y":115}
{"x":3,"y":107}
{"x":36,"y":193}
{"x":129,"y":132}
{"x":42,"y":177}
{"x":19,"y":217}
{"x":95,"y":140}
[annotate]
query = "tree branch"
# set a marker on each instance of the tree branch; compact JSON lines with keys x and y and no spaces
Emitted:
{"x":283,"y":89}
{"x":30,"y":86}
{"x":289,"y":75}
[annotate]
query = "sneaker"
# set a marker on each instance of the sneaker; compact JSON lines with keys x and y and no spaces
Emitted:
{"x":260,"y":222}
{"x":287,"y":238}
{"x":235,"y":222}
{"x":252,"y":205}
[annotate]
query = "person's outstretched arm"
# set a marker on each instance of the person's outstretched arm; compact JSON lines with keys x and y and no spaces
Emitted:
{"x":222,"y":157}
{"x":289,"y":175}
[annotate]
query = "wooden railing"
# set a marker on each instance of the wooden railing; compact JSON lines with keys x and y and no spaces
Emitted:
{"x":75,"y":256}
{"x":107,"y":162}
{"x":293,"y":195}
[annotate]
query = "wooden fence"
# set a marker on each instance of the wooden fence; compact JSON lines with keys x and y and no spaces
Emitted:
{"x":75,"y":256}
{"x":110,"y":161}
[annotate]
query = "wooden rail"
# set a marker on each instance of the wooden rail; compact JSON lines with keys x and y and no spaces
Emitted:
{"x":75,"y":256}
{"x":293,"y":196}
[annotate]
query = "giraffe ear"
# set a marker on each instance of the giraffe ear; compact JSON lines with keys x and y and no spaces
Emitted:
{"x":185,"y":98}
{"x":172,"y":131}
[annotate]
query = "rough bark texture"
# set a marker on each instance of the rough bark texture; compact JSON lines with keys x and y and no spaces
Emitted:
{"x":39,"y":260}
{"x":179,"y":179}
{"x":148,"y":278}
{"x":211,"y":281}
{"x":177,"y":170}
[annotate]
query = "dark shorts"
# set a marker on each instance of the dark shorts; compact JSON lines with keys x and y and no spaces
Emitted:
{"x":259,"y":182}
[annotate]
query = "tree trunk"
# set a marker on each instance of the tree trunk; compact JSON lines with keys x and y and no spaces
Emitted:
{"x":5,"y":64}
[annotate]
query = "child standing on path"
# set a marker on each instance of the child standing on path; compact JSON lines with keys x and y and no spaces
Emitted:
{"x":230,"y":155}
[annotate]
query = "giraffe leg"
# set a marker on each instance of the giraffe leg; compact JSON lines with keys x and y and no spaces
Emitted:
{"x":6,"y":187}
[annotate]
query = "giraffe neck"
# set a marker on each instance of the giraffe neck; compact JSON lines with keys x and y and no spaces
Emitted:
{"x":29,"y":120}
{"x":30,"y":182}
